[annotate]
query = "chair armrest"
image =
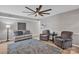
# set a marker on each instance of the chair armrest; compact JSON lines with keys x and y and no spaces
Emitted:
{"x":58,"y":37}
{"x":63,"y":40}
{"x":68,"y":40}
{"x":43,"y":34}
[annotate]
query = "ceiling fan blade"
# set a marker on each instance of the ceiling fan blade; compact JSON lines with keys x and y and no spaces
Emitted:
{"x":30,"y":9}
{"x":35,"y":15}
{"x":46,"y":13}
{"x":38,"y":9}
{"x":27,"y":12}
{"x":40,"y":6}
{"x":31,"y":14}
{"x":46,"y":10}
{"x":41,"y":14}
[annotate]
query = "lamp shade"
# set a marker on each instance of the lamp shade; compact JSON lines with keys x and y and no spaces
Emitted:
{"x":7,"y":26}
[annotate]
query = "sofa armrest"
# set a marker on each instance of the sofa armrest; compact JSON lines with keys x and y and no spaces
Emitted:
{"x":23,"y":37}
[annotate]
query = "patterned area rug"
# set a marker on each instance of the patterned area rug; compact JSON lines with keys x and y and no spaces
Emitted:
{"x":32,"y":46}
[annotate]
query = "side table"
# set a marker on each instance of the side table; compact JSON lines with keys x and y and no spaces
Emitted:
{"x":53,"y":36}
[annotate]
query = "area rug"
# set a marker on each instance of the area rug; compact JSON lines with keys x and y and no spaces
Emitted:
{"x":31,"y":46}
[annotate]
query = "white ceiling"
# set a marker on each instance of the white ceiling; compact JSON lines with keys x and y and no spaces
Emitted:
{"x":17,"y":9}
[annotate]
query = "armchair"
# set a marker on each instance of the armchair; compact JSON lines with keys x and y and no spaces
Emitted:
{"x":65,"y":40}
{"x":45,"y":35}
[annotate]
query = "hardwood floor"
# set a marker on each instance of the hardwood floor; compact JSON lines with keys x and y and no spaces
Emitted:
{"x":3,"y":47}
{"x":73,"y":50}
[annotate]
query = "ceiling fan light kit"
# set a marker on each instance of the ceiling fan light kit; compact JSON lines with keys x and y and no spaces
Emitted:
{"x":38,"y":11}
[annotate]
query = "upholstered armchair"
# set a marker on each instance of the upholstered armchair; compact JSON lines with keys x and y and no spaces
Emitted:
{"x":65,"y":40}
{"x":45,"y":35}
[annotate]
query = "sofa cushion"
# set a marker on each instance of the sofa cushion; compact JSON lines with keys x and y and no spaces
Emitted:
{"x":17,"y":33}
{"x":27,"y":32}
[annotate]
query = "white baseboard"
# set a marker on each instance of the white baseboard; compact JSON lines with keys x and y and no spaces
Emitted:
{"x":75,"y":45}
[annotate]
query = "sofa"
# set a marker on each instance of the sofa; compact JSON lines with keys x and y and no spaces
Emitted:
{"x":22,"y":35}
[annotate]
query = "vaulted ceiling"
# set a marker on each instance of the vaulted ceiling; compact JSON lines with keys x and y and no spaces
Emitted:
{"x":16,"y":10}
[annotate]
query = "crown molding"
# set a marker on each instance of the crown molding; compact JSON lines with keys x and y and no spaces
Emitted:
{"x":7,"y":15}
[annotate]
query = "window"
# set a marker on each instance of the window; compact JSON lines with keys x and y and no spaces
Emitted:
{"x":21,"y":26}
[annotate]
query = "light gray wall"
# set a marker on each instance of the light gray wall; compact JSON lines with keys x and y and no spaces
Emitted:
{"x":51,"y":23}
{"x":30,"y":25}
{"x":2,"y":31}
{"x":68,"y":21}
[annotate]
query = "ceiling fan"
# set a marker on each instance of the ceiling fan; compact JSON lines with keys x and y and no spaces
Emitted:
{"x":38,"y":11}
